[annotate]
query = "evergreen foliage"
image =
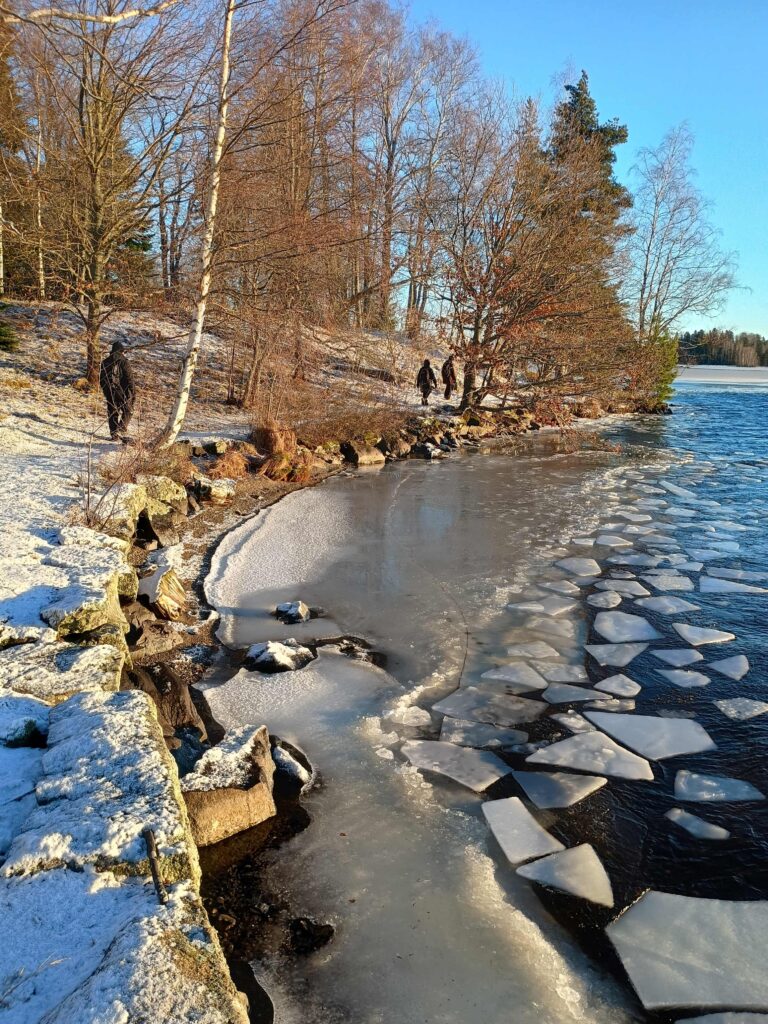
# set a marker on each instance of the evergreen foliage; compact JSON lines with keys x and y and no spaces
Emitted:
{"x":717,"y":347}
{"x":8,"y":340}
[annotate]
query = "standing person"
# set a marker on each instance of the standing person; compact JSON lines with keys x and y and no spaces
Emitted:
{"x":448,"y":374}
{"x":426,"y":381}
{"x":116,"y":380}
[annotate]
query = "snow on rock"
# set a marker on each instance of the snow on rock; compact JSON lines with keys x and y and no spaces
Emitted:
{"x":678,"y":656}
{"x":618,"y":655}
{"x":619,"y":627}
{"x":706,"y":788}
{"x":517,"y":832}
{"x":53,"y":671}
{"x":741,"y":709}
{"x":619,"y":685}
{"x":234,"y":761}
{"x":594,"y":752}
{"x":107,"y":775}
{"x":735,"y":667}
{"x":22,"y":719}
{"x":654,"y":738}
{"x":493,"y":708}
{"x":475,"y":769}
{"x":695,"y":825}
{"x":578,"y":871}
{"x":479,"y":734}
{"x":292,"y":612}
{"x":278,"y":656}
{"x":285,"y":762}
{"x":683,"y":951}
{"x":698,"y":635}
{"x":557,"y":789}
{"x":580,"y":566}
{"x":667,"y":605}
{"x":684,"y":678}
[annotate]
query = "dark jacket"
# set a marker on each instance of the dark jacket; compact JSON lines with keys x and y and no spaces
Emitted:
{"x":426,"y":378}
{"x":449,"y":373}
{"x":116,"y":380}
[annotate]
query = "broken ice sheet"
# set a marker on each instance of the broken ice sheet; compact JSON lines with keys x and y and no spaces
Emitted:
{"x":704,"y":788}
{"x":619,"y":685}
{"x":479,"y":734}
{"x":594,"y":752}
{"x":669,"y":581}
{"x":741,"y":709}
{"x":709,"y":585}
{"x":619,"y":627}
{"x":520,"y":673}
{"x":654,"y":738}
{"x":516,"y":830}
{"x":678,"y":656}
{"x":534,"y":649}
{"x":631,"y":588}
{"x":561,"y":673}
{"x":613,"y":540}
{"x":494,"y":709}
{"x":475,"y":769}
{"x":578,"y":871}
{"x":615,"y":654}
{"x":697,"y":635}
{"x":683,"y":677}
{"x":728,"y":1017}
{"x":557,"y":789}
{"x":562,"y":587}
{"x":735,"y":667}
{"x":695,"y":825}
{"x":605,"y":599}
{"x":682,"y":951}
{"x":573,"y":722}
{"x":667,"y":605}
{"x":580,"y":566}
{"x":736,"y":574}
{"x":553,"y":606}
{"x":562,"y":693}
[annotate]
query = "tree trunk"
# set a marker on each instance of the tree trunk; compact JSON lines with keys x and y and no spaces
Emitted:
{"x":470,"y":386}
{"x":92,"y":340}
{"x":2,"y":252}
{"x":189,"y":364}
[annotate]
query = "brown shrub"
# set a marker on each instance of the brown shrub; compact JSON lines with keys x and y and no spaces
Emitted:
{"x":285,"y":468}
{"x":272,"y":439}
{"x":232,"y":465}
{"x":139,"y":459}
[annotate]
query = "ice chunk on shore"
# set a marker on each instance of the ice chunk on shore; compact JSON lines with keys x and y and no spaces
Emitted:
{"x":578,"y":871}
{"x":475,"y":769}
{"x":698,"y":635}
{"x":741,"y":709}
{"x":619,"y":627}
{"x":516,"y":830}
{"x":557,"y":789}
{"x":562,"y":693}
{"x":654,"y":738}
{"x":534,"y":649}
{"x":619,"y":685}
{"x":695,"y":825}
{"x":710,"y":585}
{"x":618,"y":655}
{"x":705,"y":788}
{"x":678,"y":656}
{"x":683,"y":951}
{"x":667,"y":605}
{"x":553,"y":606}
{"x":594,"y":752}
{"x":580,"y":566}
{"x":735,"y":667}
{"x":520,"y":673}
{"x":684,"y":678}
{"x":606,"y":599}
{"x":561,"y":587}
{"x":494,"y":709}
{"x":632,"y":588}
{"x":479,"y":734}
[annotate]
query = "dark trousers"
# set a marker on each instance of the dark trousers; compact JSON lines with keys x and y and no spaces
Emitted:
{"x":118,"y":416}
{"x":449,"y":390}
{"x":425,"y":393}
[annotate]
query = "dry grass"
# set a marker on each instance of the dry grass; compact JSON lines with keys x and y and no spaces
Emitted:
{"x":232,"y":465}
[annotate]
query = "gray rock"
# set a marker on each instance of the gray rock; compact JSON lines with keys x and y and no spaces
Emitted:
{"x":275,"y":656}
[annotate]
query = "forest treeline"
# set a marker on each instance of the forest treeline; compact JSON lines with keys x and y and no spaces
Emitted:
{"x":298,"y":163}
{"x":723,"y":348}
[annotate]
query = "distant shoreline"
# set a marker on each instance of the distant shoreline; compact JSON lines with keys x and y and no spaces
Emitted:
{"x":743,"y":376}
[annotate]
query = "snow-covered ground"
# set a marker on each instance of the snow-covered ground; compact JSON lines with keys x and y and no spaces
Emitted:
{"x":747,"y":375}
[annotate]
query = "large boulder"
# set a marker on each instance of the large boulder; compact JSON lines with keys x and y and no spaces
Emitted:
{"x":122,"y":507}
{"x":218,"y":492}
{"x":230,"y":789}
{"x":278,"y":656}
{"x":164,"y":592}
{"x":292,"y":612}
{"x":361,"y":454}
{"x":53,"y":672}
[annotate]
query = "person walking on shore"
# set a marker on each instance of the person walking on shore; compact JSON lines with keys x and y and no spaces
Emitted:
{"x":448,"y":374}
{"x":116,"y":380}
{"x":426,"y":381}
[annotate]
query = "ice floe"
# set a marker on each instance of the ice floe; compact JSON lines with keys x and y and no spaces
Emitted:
{"x":561,"y":673}
{"x":741,"y":709}
{"x":580,"y":566}
{"x":654,"y":738}
{"x":613,"y":540}
{"x":520,"y":673}
{"x":619,"y":685}
{"x":475,"y":769}
{"x":727,"y":1018}
{"x":735,"y":667}
{"x":562,"y":693}
{"x":615,"y":654}
{"x":632,"y":588}
{"x":695,"y":825}
{"x":635,"y":559}
{"x":578,"y":871}
{"x":594,"y":752}
{"x":494,"y":709}
{"x":736,"y":574}
{"x":553,"y":606}
{"x":516,"y":830}
{"x":710,"y":585}
{"x":698,"y":635}
{"x":683,"y":951}
{"x":557,"y":789}
{"x":605,"y":599}
{"x":684,"y":678}
{"x":678,"y":656}
{"x":605,"y":703}
{"x":561,"y":587}
{"x":479,"y":734}
{"x":669,"y":581}
{"x":620,"y":627}
{"x":666,"y":605}
{"x":573,"y":722}
{"x":704,"y":788}
{"x":534,"y":649}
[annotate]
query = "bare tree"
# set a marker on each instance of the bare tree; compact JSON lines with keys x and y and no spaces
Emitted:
{"x":677,"y":264}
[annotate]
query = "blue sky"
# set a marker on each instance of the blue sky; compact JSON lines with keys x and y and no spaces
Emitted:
{"x":653,"y":64}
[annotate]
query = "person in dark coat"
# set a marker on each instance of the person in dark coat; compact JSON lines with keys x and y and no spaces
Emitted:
{"x":426,"y":381}
{"x":448,"y":374}
{"x":116,"y":379}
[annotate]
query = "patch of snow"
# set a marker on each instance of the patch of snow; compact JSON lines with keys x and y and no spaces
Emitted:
{"x":228,"y":764}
